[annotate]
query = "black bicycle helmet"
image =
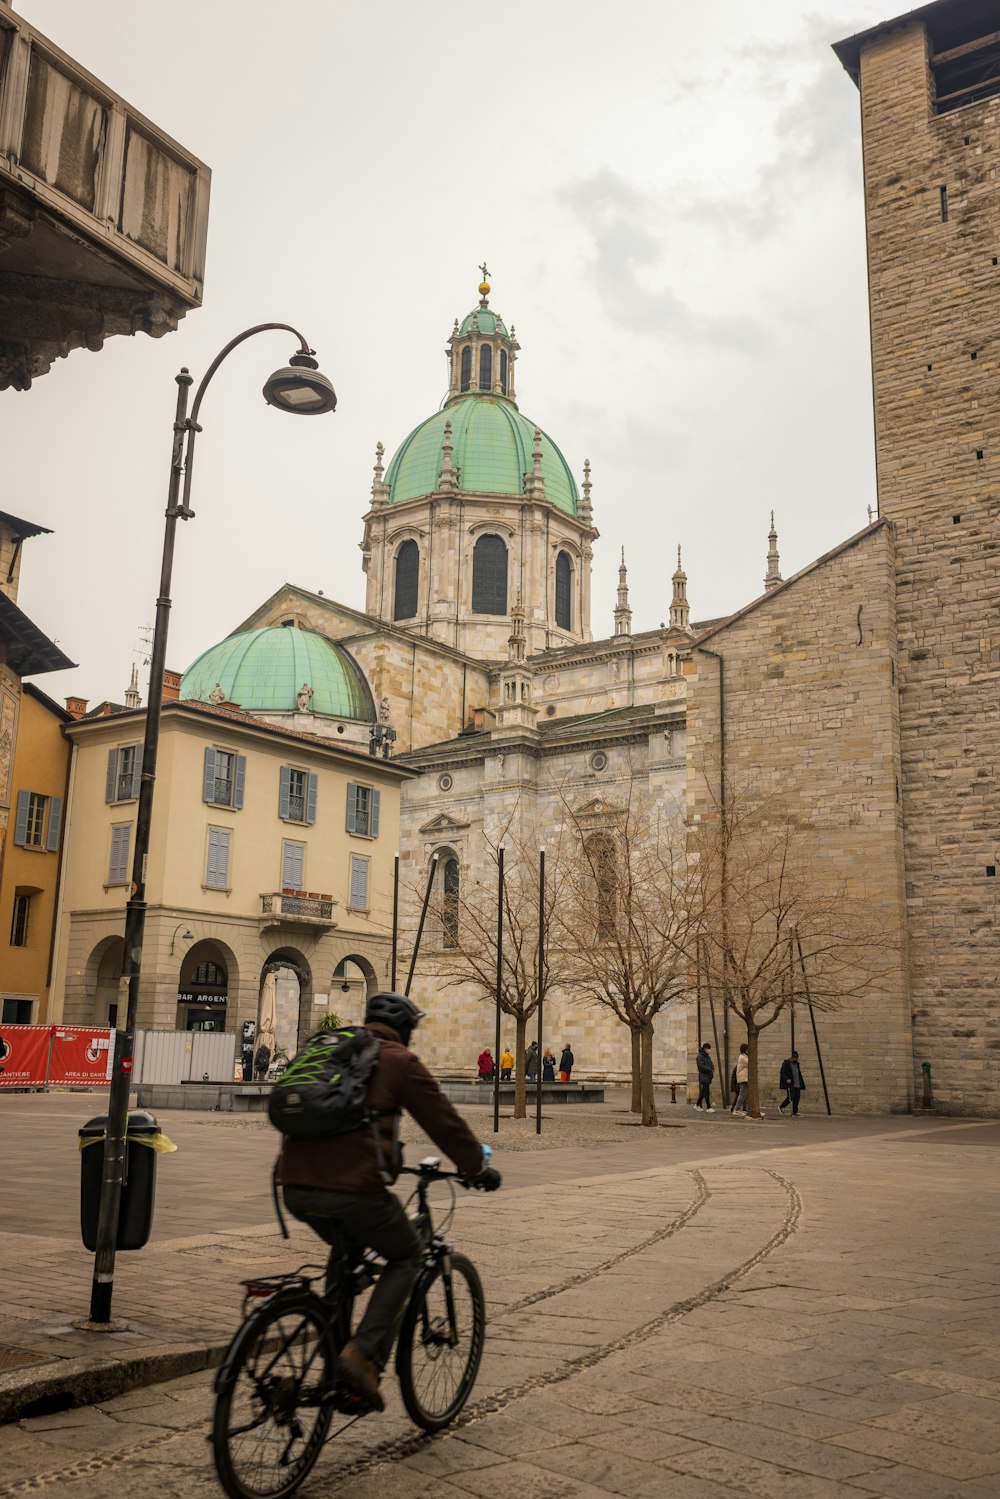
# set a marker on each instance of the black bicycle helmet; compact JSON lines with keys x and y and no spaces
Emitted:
{"x":395,"y":1010}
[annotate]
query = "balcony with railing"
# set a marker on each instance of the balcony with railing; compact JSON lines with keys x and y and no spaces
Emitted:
{"x":297,"y":908}
{"x":103,"y":217}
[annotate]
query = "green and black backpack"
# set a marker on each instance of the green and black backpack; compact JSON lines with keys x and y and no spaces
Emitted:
{"x":324,"y":1089}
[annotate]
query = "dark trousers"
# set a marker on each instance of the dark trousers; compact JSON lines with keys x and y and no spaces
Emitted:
{"x":704,"y":1092}
{"x":505,"y":1074}
{"x":367,"y":1221}
{"x":793,"y":1098}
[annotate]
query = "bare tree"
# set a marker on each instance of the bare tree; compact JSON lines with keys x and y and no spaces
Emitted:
{"x":468,"y":919}
{"x":776,"y":924}
{"x":625,"y":920}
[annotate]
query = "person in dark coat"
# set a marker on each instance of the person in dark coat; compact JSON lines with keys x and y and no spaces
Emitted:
{"x":531,"y":1062}
{"x":548,"y":1066}
{"x":262,"y":1062}
{"x":566,"y":1064}
{"x":338,"y":1184}
{"x":706,"y":1071}
{"x":792,"y":1081}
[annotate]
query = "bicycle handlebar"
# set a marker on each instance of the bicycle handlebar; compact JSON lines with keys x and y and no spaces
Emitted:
{"x":429,"y":1173}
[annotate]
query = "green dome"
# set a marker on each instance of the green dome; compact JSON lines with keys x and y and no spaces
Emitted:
{"x":262,"y":670}
{"x":492,"y":445}
{"x":488,"y":322}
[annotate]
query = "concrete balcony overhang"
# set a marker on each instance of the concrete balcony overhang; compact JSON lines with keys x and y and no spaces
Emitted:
{"x":103,"y":217}
{"x":301,"y":910}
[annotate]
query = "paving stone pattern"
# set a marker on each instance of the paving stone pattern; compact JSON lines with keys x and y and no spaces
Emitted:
{"x":770,"y":1309}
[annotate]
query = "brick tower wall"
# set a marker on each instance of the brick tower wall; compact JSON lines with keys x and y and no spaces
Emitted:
{"x":933,"y":222}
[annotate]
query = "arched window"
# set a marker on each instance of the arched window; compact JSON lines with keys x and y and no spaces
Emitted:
{"x":467,"y":367}
{"x":407,"y":578}
{"x":451,"y":881}
{"x":489,"y":576}
{"x":503,"y":371}
{"x":485,"y":368}
{"x":600,"y":851}
{"x":564,"y":591}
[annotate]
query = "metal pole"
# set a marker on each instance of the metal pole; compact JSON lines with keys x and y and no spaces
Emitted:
{"x":715,"y":1033}
{"x":420,"y":927}
{"x":113,"y":1177}
{"x":812,"y":1017}
{"x":395,"y":923}
{"x":791,"y":992}
{"x":541,"y":985}
{"x":496,"y":1054}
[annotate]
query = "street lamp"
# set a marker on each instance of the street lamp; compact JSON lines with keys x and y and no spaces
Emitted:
{"x":299,"y":388}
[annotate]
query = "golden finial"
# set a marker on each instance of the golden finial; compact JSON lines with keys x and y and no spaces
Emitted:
{"x":484,"y":285}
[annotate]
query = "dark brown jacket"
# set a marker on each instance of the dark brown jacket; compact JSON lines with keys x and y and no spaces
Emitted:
{"x":347,"y":1163}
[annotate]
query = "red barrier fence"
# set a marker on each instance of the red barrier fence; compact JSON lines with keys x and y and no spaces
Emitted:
{"x":38,"y":1056}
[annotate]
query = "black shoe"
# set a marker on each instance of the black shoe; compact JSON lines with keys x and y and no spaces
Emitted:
{"x":783,"y":1105}
{"x":360,"y":1376}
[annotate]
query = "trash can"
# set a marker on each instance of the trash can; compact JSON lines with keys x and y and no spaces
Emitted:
{"x":135,"y":1215}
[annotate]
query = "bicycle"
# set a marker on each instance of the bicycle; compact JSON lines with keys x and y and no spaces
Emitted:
{"x":277,"y":1389}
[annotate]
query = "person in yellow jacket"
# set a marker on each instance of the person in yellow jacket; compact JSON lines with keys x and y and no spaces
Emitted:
{"x":506,"y":1065}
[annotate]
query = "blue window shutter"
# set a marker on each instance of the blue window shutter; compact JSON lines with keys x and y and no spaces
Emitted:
{"x":55,"y":824}
{"x":359,"y":883}
{"x":241,"y":776}
{"x":137,"y":771}
{"x":285,"y":792}
{"x":218,"y":859}
{"x":208,"y":788}
{"x":352,"y":808}
{"x":21,"y":821}
{"x":311,"y":798}
{"x":293,"y":866}
{"x":121,"y":837}
{"x":373,"y":827}
{"x":109,"y":785}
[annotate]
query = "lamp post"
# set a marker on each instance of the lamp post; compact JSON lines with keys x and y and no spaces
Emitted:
{"x":300,"y":388}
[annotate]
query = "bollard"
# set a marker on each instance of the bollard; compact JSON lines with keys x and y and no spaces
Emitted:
{"x":673,"y":1092}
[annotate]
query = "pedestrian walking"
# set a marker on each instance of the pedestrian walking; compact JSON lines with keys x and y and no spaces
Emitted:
{"x":741,"y":1073}
{"x":531,"y":1062}
{"x":485,"y":1065}
{"x":792,"y":1081}
{"x":506,"y":1065}
{"x":548,"y":1065}
{"x":706,"y":1071}
{"x":262,"y":1061}
{"x":566,"y":1062}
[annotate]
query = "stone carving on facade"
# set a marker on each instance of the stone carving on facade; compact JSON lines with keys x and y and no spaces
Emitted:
{"x":217,"y":695}
{"x":304,"y":697}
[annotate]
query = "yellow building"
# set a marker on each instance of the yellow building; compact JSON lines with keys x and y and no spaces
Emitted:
{"x":271,"y":852}
{"x":30,"y":874}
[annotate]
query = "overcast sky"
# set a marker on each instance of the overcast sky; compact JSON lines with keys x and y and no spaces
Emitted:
{"x":669,"y":201}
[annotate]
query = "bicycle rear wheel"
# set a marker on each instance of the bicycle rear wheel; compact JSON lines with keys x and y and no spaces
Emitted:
{"x":441,"y":1343}
{"x":271,"y":1417}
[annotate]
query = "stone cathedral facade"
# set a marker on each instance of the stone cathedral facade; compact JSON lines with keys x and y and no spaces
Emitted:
{"x":866,"y":688}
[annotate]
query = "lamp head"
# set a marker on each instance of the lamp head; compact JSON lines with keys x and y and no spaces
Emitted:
{"x":301,"y":388}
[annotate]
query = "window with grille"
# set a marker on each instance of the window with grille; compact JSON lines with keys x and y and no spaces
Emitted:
{"x":224,"y":778}
{"x":489,"y":576}
{"x":466,"y":367}
{"x":124,"y":773}
{"x":360,"y":866}
{"x":600,"y":849}
{"x":297,"y":795}
{"x":564,"y":591}
{"x":451,"y":880}
{"x":19,"y":925}
{"x":485,"y":368}
{"x":209,"y":975}
{"x":363,"y":805}
{"x":407,"y":579}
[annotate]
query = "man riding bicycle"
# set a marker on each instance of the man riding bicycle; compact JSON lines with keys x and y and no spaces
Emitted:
{"x":339,"y":1184}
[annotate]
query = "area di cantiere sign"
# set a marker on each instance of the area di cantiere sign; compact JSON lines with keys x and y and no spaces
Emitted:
{"x":32,"y":1056}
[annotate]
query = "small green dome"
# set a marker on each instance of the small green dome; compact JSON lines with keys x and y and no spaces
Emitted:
{"x":262,"y":671}
{"x":492,"y":447}
{"x":486,"y":321}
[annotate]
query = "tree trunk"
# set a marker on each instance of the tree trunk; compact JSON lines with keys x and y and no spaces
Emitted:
{"x":753,"y":1084}
{"x":646,"y":1074}
{"x":520,"y":1095}
{"x":636,"y":1105}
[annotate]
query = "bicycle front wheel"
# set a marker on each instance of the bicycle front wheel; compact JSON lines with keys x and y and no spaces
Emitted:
{"x":441,"y":1343}
{"x":272,"y":1410}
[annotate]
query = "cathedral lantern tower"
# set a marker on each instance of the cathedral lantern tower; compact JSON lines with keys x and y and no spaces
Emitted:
{"x":479,"y":508}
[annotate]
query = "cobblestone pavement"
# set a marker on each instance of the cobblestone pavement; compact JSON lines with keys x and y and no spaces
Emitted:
{"x":804,"y":1308}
